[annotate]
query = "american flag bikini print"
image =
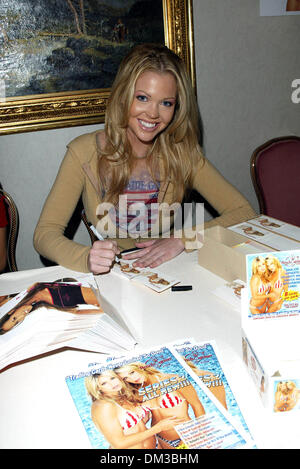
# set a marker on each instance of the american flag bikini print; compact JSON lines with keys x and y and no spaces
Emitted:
{"x":170,"y":401}
{"x":131,"y":419}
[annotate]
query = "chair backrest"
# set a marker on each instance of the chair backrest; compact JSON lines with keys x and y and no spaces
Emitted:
{"x":275,"y":173}
{"x":13,"y":230}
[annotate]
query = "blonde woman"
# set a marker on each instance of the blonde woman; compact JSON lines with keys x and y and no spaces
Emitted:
{"x":277,"y":278}
{"x":259,"y":287}
{"x":118,"y":413}
{"x":213,"y":382}
{"x":173,"y":404}
{"x":248,"y":230}
{"x":266,"y":222}
{"x":286,"y":396}
{"x":148,"y":152}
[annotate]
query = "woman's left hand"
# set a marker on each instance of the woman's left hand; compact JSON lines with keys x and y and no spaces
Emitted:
{"x":155,"y":252}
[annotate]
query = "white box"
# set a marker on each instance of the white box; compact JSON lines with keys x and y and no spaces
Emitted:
{"x":271,"y":352}
{"x":270,"y":339}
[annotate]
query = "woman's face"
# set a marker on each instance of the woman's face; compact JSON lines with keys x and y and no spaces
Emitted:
{"x":132,"y":376}
{"x":271,"y":265}
{"x":261,"y":267}
{"x":16,"y":317}
{"x":284,"y":388}
{"x":109,"y":384}
{"x":152,"y":108}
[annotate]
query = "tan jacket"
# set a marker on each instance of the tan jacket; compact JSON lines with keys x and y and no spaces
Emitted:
{"x":77,"y":177}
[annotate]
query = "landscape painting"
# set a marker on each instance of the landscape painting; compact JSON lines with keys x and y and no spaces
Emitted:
{"x":58,"y":58}
{"x":70,"y":45}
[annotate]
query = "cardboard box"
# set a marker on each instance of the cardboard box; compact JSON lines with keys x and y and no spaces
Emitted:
{"x":224,"y":252}
{"x":224,"y":249}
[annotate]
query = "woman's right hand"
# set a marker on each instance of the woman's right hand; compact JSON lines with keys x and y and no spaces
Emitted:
{"x":101,"y":256}
{"x":272,"y":296}
{"x":168,"y":423}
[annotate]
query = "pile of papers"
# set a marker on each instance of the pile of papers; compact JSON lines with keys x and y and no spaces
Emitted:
{"x":67,"y":312}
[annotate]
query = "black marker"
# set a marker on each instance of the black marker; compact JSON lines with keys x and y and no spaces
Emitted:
{"x":128,"y":251}
{"x":96,"y":233}
{"x":181,"y":287}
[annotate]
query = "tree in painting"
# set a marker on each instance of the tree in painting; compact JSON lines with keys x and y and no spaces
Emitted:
{"x":71,"y":45}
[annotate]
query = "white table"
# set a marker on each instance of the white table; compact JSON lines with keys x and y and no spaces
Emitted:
{"x":35,"y":405}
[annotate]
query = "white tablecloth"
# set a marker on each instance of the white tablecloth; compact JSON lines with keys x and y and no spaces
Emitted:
{"x":35,"y":405}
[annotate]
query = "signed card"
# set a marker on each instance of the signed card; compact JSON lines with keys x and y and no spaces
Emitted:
{"x":126,"y":269}
{"x":151,"y":278}
{"x":156,"y":280}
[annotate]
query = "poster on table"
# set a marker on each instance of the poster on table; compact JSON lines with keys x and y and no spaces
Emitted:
{"x":150,"y":400}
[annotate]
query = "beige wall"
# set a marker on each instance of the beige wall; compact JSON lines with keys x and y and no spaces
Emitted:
{"x":245,"y":66}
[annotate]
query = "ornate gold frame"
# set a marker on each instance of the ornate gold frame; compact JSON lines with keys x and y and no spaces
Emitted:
{"x":56,"y":110}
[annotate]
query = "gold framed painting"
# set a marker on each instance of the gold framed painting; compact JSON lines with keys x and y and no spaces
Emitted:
{"x":58,"y":59}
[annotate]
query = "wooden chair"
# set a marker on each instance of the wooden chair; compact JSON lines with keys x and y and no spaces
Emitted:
{"x":13,"y":230}
{"x":275,"y":173}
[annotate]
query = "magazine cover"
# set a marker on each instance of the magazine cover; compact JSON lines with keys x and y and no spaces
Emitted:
{"x":149,"y":400}
{"x":204,"y":361}
{"x":286,"y":395}
{"x":273,"y":281}
{"x":50,"y":315}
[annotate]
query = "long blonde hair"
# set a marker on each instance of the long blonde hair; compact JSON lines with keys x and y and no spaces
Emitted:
{"x":125,"y":395}
{"x":178,"y":145}
{"x":275,"y":261}
{"x":140,"y":368}
{"x":255,"y":263}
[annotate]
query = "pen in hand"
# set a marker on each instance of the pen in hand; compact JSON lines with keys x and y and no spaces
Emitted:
{"x":100,"y":237}
{"x":96,"y":233}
